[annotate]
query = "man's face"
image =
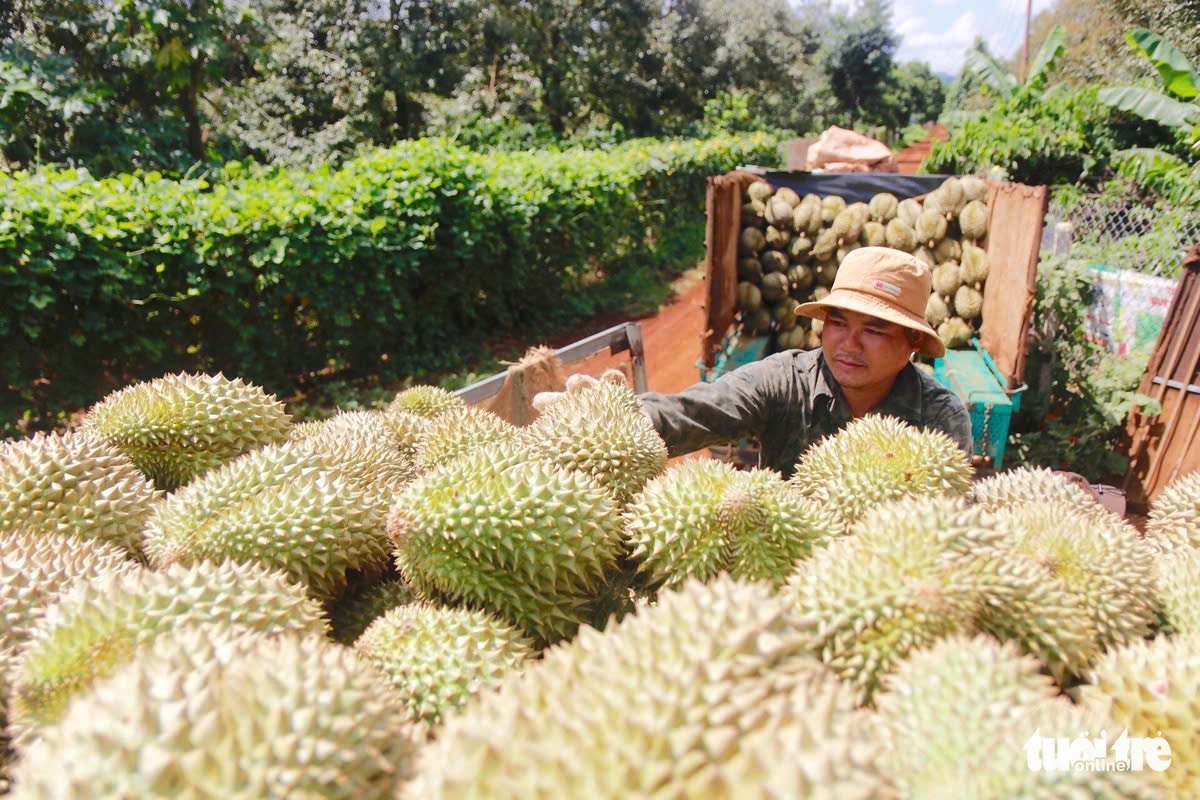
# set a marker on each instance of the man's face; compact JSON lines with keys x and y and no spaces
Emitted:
{"x":864,"y":352}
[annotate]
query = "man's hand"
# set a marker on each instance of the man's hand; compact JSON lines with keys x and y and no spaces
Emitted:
{"x":576,"y":383}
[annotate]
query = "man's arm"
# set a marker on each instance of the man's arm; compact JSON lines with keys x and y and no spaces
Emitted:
{"x":704,"y":414}
{"x":949,"y":414}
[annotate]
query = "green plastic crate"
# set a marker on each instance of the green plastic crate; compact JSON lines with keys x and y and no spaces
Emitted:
{"x":974,"y":377}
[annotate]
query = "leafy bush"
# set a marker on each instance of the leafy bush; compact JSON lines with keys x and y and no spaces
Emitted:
{"x":400,"y":262}
{"x":1061,"y":135}
{"x":1074,"y":415}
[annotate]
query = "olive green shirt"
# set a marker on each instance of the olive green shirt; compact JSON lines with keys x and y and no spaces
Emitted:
{"x":788,"y":401}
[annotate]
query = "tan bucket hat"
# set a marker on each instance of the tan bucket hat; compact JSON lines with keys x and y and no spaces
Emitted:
{"x":885,"y":283}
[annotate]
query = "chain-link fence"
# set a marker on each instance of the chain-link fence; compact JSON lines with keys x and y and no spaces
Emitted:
{"x":1125,"y":234}
{"x":1135,"y":252}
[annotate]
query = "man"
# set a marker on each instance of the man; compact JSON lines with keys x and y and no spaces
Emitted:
{"x":874,"y":322}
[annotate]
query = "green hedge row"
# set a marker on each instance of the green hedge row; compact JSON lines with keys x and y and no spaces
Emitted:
{"x":393,"y":265}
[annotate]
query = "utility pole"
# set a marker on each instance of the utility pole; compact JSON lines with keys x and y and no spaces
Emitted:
{"x":1025,"y":49}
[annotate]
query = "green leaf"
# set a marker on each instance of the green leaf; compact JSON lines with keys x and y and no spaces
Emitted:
{"x":1151,"y":105}
{"x":990,"y":72}
{"x":1177,"y":74}
{"x":1048,"y":54}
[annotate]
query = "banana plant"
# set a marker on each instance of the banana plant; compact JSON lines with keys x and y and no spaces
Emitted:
{"x":1178,"y":105}
{"x":1003,"y":82}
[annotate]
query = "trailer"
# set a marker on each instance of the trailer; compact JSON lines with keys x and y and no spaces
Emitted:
{"x":988,"y":375}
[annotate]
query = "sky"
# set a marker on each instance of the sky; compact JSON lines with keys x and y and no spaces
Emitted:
{"x":939,"y":31}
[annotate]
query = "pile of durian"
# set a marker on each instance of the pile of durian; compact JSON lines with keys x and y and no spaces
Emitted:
{"x":789,"y":249}
{"x":204,"y":599}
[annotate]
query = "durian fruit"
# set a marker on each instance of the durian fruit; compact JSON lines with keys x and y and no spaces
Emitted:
{"x":753,"y":214}
{"x":788,"y":196}
{"x":284,"y":506}
{"x":177,"y":427}
{"x":1151,"y":689}
{"x":925,"y":255}
{"x":751,"y":241}
{"x":208,"y":713}
{"x":709,"y":665}
{"x":778,"y":213}
{"x":424,"y":401}
{"x":800,"y":248}
{"x":785,"y":314}
{"x":749,"y":297}
{"x":948,"y":249}
{"x":1021,"y":485}
{"x":801,"y":278}
{"x":806,"y":217}
{"x":874,"y":234}
{"x":953,"y":195}
{"x":825,"y":245}
{"x":98,"y":624}
{"x":501,"y":530}
{"x":825,"y":273}
{"x":900,"y":235}
{"x":1016,"y":600}
{"x":867,"y":603}
{"x":362,"y":603}
{"x":883,"y":207}
{"x":877,"y":458}
{"x":946,"y":279}
{"x":975,"y":265}
{"x":907,"y":211}
{"x":930,"y":228}
{"x":368,"y":450}
{"x":1175,"y":515}
{"x":438,"y":658}
{"x":777,"y":238}
{"x":974,"y":188}
{"x":750,"y":270}
{"x":972,"y":220}
{"x":845,"y":250}
{"x":773,"y":261}
{"x":1101,"y":560}
{"x":703,"y":517}
{"x":74,"y":484}
{"x":968,"y":302}
{"x":37,"y":567}
{"x":955,"y":332}
{"x":847,"y":226}
{"x":936,"y":310}
{"x":377,"y":425}
{"x":774,"y":287}
{"x":982,"y":685}
{"x":599,"y":429}
{"x":1177,"y":580}
{"x":759,"y":191}
{"x":459,"y":431}
{"x":831,"y":206}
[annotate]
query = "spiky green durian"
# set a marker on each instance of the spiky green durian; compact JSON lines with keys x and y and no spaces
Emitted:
{"x":1175,"y":515}
{"x":865,"y":607}
{"x":503,"y":531}
{"x":877,"y":458}
{"x":952,"y":191}
{"x":461,"y":430}
{"x":207,"y":714}
{"x":74,"y":484}
{"x":284,"y":506}
{"x":972,"y":220}
{"x":908,"y":210}
{"x":883,"y":207}
{"x":388,"y":430}
{"x":599,"y":429}
{"x":709,"y":663}
{"x":778,"y":237}
{"x":785,"y":314}
{"x":946,"y":279}
{"x":177,"y":427}
{"x":750,"y":270}
{"x":363,"y":602}
{"x":760,"y":191}
{"x":930,"y":228}
{"x":98,"y":624}
{"x":773,"y":261}
{"x":874,"y":234}
{"x":703,"y":517}
{"x":787,"y":195}
{"x":1178,"y":585}
{"x":1152,"y":689}
{"x":831,"y":206}
{"x":974,"y":187}
{"x":1100,"y":559}
{"x":753,"y":214}
{"x":975,"y":265}
{"x":778,"y":214}
{"x":968,"y":302}
{"x":955,"y":332}
{"x":36,"y":567}
{"x":441,"y":657}
{"x":751,"y":241}
{"x":369,"y":451}
{"x":947,"y":249}
{"x":900,"y":235}
{"x":1017,"y":600}
{"x":825,"y":244}
{"x":982,"y":685}
{"x":847,"y":227}
{"x":936,"y":310}
{"x":774,"y":287}
{"x":424,"y":401}
{"x":1022,"y":485}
